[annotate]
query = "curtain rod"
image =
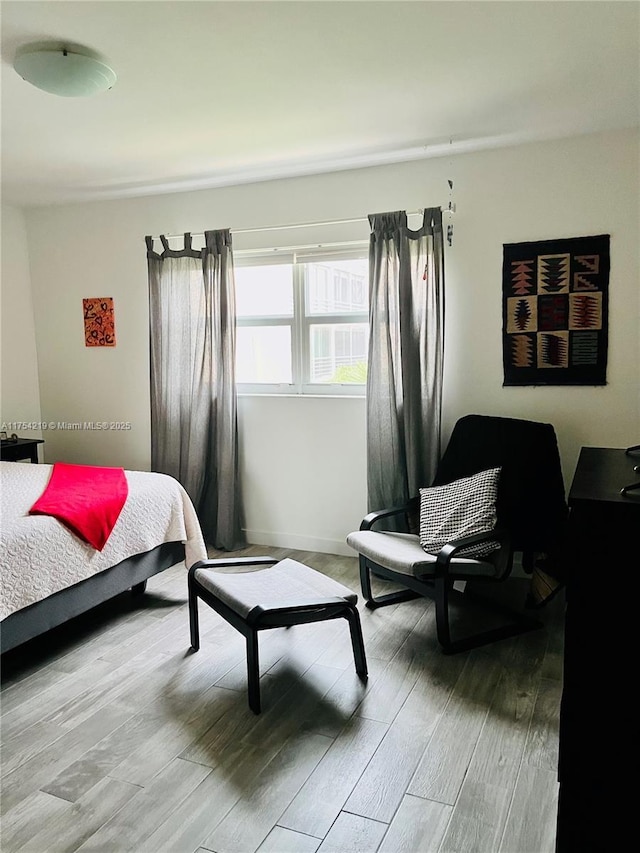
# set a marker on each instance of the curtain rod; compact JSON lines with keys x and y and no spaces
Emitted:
{"x":294,"y":225}
{"x":307,"y":247}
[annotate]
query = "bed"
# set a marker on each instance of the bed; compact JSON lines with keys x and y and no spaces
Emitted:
{"x":48,"y":574}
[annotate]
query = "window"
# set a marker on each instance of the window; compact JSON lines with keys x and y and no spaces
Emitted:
{"x":302,"y":322}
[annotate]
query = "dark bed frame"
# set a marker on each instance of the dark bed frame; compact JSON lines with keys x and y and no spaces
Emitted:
{"x":132,"y":573}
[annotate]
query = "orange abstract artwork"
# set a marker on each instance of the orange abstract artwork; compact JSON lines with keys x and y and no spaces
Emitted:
{"x":99,"y":328}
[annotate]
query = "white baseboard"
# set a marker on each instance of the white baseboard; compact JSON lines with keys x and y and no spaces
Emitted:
{"x":299,"y":543}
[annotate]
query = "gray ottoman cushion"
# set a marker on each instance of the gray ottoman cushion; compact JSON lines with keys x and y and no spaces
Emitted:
{"x":287,"y":584}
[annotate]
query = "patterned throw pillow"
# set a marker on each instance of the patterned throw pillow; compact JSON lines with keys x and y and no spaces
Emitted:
{"x":460,"y":509}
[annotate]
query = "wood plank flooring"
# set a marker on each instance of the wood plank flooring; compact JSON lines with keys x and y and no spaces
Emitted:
{"x":115,"y":737}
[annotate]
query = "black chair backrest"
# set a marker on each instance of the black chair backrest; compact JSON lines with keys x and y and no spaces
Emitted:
{"x":531,"y":499}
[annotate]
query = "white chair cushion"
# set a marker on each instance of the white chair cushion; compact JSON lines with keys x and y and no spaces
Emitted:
{"x":401,"y":552}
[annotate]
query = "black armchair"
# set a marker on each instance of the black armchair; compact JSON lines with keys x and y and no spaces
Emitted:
{"x":530,"y":513}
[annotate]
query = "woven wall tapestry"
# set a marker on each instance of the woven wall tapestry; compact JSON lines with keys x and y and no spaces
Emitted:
{"x":555,"y":311}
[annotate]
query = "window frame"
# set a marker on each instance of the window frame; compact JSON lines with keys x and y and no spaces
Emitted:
{"x":301,"y":322}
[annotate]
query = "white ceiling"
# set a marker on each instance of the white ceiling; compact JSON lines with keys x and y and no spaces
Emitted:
{"x":215,"y":93}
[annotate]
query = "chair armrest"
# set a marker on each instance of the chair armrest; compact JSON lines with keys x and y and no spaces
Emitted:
{"x":448,"y":552}
{"x":373,"y":517}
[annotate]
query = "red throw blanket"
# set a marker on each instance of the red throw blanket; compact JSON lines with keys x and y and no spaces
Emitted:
{"x":87,"y":499}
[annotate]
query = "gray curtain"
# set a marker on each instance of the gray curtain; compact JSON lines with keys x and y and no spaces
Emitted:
{"x":404,"y":381}
{"x":193,"y":396}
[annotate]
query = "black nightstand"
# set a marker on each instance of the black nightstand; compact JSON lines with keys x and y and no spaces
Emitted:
{"x":23,"y":448}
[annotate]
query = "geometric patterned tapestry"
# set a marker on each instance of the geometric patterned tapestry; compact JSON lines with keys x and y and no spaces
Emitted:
{"x":555,"y":311}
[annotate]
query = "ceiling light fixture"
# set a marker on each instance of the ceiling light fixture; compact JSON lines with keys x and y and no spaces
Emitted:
{"x":64,"y":71}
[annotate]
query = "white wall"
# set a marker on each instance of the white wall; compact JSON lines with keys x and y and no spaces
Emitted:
{"x":303,"y":470}
{"x":303,"y":460}
{"x":19,"y":392}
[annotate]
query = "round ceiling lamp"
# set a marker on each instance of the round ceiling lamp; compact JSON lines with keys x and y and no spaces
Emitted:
{"x":64,"y":71}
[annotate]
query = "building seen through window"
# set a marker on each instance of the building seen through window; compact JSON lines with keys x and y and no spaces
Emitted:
{"x":302,"y":326}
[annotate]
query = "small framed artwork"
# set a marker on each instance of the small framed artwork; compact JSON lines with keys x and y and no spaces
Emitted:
{"x":99,"y":324}
{"x":555,"y":311}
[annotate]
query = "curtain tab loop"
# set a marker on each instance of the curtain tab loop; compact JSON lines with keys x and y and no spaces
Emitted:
{"x":432,"y":218}
{"x":187,"y":241}
{"x":218,"y":240}
{"x":388,"y":223}
{"x":165,"y":242}
{"x":149,"y":242}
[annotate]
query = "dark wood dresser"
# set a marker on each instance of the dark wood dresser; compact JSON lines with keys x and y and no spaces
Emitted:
{"x":600,"y":661}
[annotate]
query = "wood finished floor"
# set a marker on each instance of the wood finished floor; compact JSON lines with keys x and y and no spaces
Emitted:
{"x":116,"y":738}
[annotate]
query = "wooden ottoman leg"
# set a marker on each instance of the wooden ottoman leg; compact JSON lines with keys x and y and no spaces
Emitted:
{"x":357,"y":640}
{"x":193,"y":617}
{"x":253,"y":671}
{"x":365,"y":580}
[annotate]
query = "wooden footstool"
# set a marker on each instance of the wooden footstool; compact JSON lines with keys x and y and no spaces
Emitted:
{"x":278,"y":595}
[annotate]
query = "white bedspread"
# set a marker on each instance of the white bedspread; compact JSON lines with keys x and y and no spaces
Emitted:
{"x":40,"y":556}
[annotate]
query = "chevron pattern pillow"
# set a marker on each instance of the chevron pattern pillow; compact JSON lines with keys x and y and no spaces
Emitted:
{"x":459,"y":509}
